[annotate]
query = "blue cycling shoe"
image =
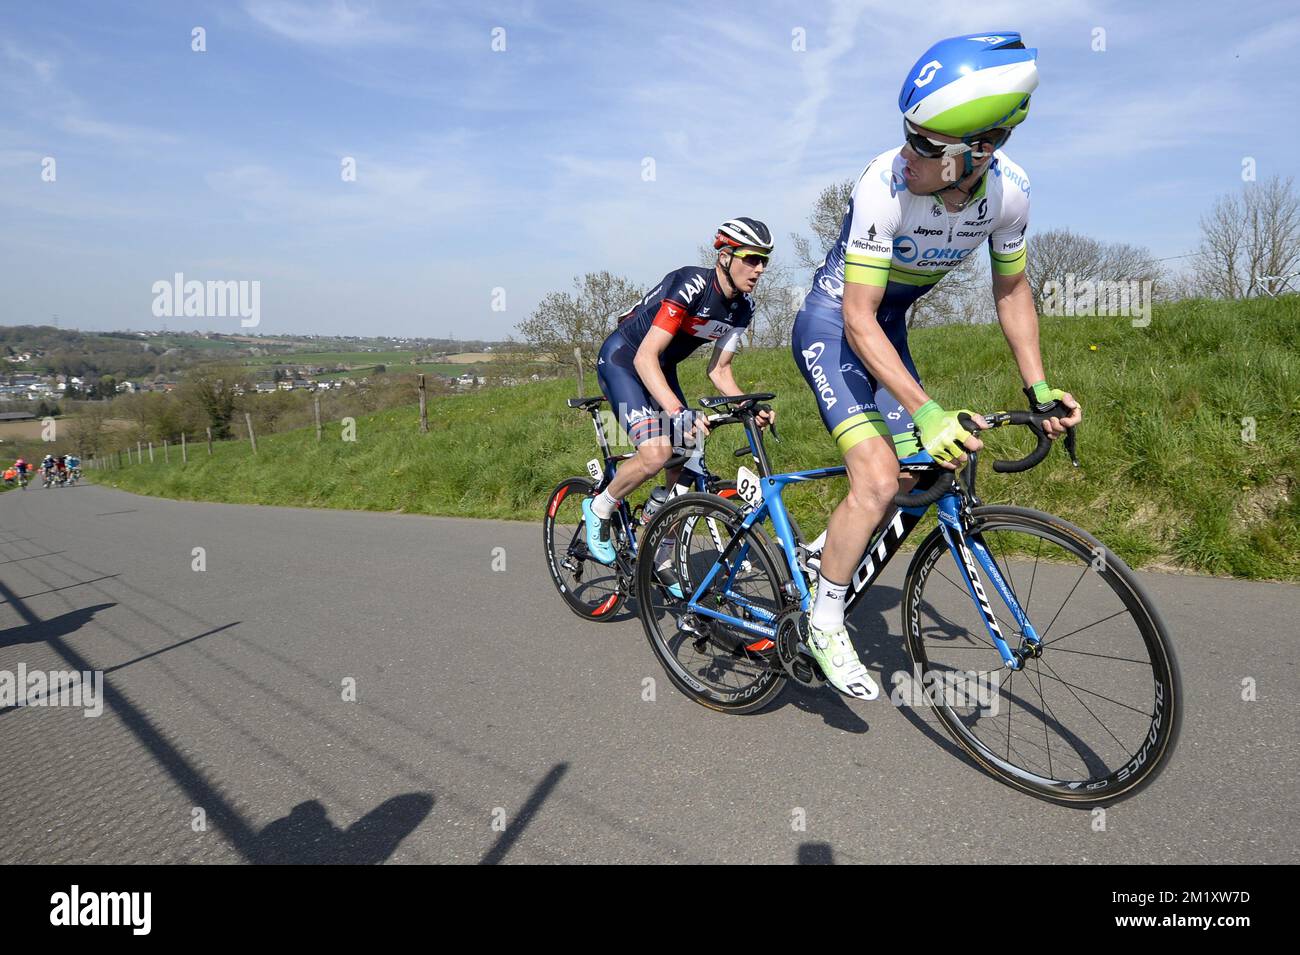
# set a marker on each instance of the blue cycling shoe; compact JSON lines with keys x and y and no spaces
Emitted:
{"x":599,"y":546}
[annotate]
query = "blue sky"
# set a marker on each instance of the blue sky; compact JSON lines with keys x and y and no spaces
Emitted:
{"x":520,"y":169}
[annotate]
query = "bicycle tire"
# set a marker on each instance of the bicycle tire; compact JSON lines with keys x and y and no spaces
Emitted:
{"x":1155,"y":747}
{"x":768,"y":681}
{"x":598,"y":599}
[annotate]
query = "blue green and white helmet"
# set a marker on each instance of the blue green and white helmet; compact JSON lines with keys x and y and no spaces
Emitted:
{"x":967,"y":85}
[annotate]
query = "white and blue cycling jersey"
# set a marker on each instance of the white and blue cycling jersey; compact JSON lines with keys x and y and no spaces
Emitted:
{"x":905,"y":243}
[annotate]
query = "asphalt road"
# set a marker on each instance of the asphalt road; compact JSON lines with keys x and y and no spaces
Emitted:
{"x":490,"y":724}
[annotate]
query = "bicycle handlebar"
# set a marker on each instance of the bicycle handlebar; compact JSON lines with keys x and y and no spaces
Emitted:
{"x":1033,"y":420}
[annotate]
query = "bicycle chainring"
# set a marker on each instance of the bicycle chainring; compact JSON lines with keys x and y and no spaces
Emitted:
{"x":791,"y":631}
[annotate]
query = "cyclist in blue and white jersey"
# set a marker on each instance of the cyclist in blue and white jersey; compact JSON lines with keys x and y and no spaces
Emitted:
{"x":638,"y":362}
{"x":916,"y":212}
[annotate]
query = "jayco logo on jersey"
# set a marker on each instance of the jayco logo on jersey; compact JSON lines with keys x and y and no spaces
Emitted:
{"x":811,"y":355}
{"x":927,"y":73}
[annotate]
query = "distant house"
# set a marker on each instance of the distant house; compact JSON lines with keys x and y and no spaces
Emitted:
{"x":265,"y":387}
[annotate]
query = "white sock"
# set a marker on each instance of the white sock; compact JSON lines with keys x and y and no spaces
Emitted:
{"x":828,"y":608}
{"x":604,"y":505}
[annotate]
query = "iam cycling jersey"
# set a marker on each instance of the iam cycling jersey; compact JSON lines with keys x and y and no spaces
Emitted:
{"x":688,"y":304}
{"x":906,"y":244}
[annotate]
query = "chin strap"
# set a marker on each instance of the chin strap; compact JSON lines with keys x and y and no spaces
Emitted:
{"x":727,"y":272}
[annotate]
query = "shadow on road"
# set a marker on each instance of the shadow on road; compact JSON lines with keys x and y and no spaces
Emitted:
{"x":43,"y":631}
{"x":307,"y":837}
{"x":516,"y":827}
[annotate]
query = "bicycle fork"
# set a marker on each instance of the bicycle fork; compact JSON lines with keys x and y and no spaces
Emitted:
{"x":970,"y":555}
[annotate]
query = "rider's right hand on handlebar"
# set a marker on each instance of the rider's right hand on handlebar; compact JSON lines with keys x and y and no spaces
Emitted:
{"x":944,"y":437}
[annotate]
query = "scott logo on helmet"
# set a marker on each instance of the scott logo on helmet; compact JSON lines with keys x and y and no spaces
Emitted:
{"x":927,"y":73}
{"x":811,"y":355}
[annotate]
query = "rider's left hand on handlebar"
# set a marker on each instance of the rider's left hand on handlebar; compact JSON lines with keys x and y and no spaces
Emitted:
{"x":1055,"y":427}
{"x":765,"y":417}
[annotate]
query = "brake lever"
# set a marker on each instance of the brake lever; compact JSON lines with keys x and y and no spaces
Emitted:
{"x":1069,"y":445}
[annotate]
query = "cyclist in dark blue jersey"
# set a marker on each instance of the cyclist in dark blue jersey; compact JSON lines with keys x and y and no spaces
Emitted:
{"x":638,"y":362}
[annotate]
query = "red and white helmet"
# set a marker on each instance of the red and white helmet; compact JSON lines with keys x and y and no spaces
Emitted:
{"x":744,"y":233}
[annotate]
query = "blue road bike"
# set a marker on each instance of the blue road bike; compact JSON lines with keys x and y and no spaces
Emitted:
{"x":1036,"y":646}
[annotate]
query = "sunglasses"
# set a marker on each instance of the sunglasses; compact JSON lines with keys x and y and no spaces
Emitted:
{"x":752,"y":258}
{"x":928,"y":148}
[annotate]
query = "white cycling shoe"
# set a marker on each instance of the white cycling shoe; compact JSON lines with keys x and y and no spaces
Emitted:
{"x":839,"y":662}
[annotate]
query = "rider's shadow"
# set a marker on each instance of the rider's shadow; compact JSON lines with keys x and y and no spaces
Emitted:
{"x":307,"y":836}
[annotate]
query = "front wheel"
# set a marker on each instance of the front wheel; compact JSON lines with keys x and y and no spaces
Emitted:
{"x":1093,"y":714}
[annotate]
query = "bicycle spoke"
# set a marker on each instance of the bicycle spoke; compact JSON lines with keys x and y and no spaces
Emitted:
{"x":1086,"y":626}
{"x":1104,"y":656}
{"x":1044,"y":634}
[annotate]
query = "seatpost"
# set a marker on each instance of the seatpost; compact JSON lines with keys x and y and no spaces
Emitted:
{"x":755,"y":434}
{"x":601,"y":440}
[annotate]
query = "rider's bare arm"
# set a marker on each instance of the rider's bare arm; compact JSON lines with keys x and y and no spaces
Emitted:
{"x":874,"y":348}
{"x":1019,"y":321}
{"x":649,"y":371}
{"x":724,"y":379}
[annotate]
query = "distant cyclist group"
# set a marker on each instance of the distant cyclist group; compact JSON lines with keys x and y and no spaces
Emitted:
{"x":916,"y":212}
{"x":56,"y":470}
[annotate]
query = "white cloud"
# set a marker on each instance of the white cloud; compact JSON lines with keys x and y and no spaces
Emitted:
{"x":331,"y":24}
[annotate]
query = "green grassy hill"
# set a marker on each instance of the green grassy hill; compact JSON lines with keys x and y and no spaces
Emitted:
{"x":1166,"y":478}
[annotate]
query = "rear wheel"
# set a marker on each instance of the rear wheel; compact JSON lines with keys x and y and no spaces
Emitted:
{"x":721,"y":665}
{"x":591,"y":589}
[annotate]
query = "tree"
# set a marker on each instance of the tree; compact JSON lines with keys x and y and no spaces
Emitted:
{"x":210,"y":391}
{"x":1057,"y":253}
{"x":825,"y":220}
{"x":1250,"y":242}
{"x":564,"y":321}
{"x":88,"y":431}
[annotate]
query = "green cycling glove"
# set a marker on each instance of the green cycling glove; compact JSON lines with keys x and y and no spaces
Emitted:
{"x":941,"y":432}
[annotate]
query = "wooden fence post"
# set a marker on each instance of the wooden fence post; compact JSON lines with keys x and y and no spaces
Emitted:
{"x":185,"y":458}
{"x":252,"y":438}
{"x":151,"y":452}
{"x":315,"y":400}
{"x":424,"y":407}
{"x":209,"y":431}
{"x":167,"y":457}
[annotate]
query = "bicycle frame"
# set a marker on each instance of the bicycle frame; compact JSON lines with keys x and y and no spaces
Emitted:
{"x":968,"y":552}
{"x":700,"y":480}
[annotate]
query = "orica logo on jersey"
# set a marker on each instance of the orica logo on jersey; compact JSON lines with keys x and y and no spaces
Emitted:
{"x":811,"y":355}
{"x":905,"y":249}
{"x":927,"y":73}
{"x":893,"y":180}
{"x":831,"y":286}
{"x":945,"y":254}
